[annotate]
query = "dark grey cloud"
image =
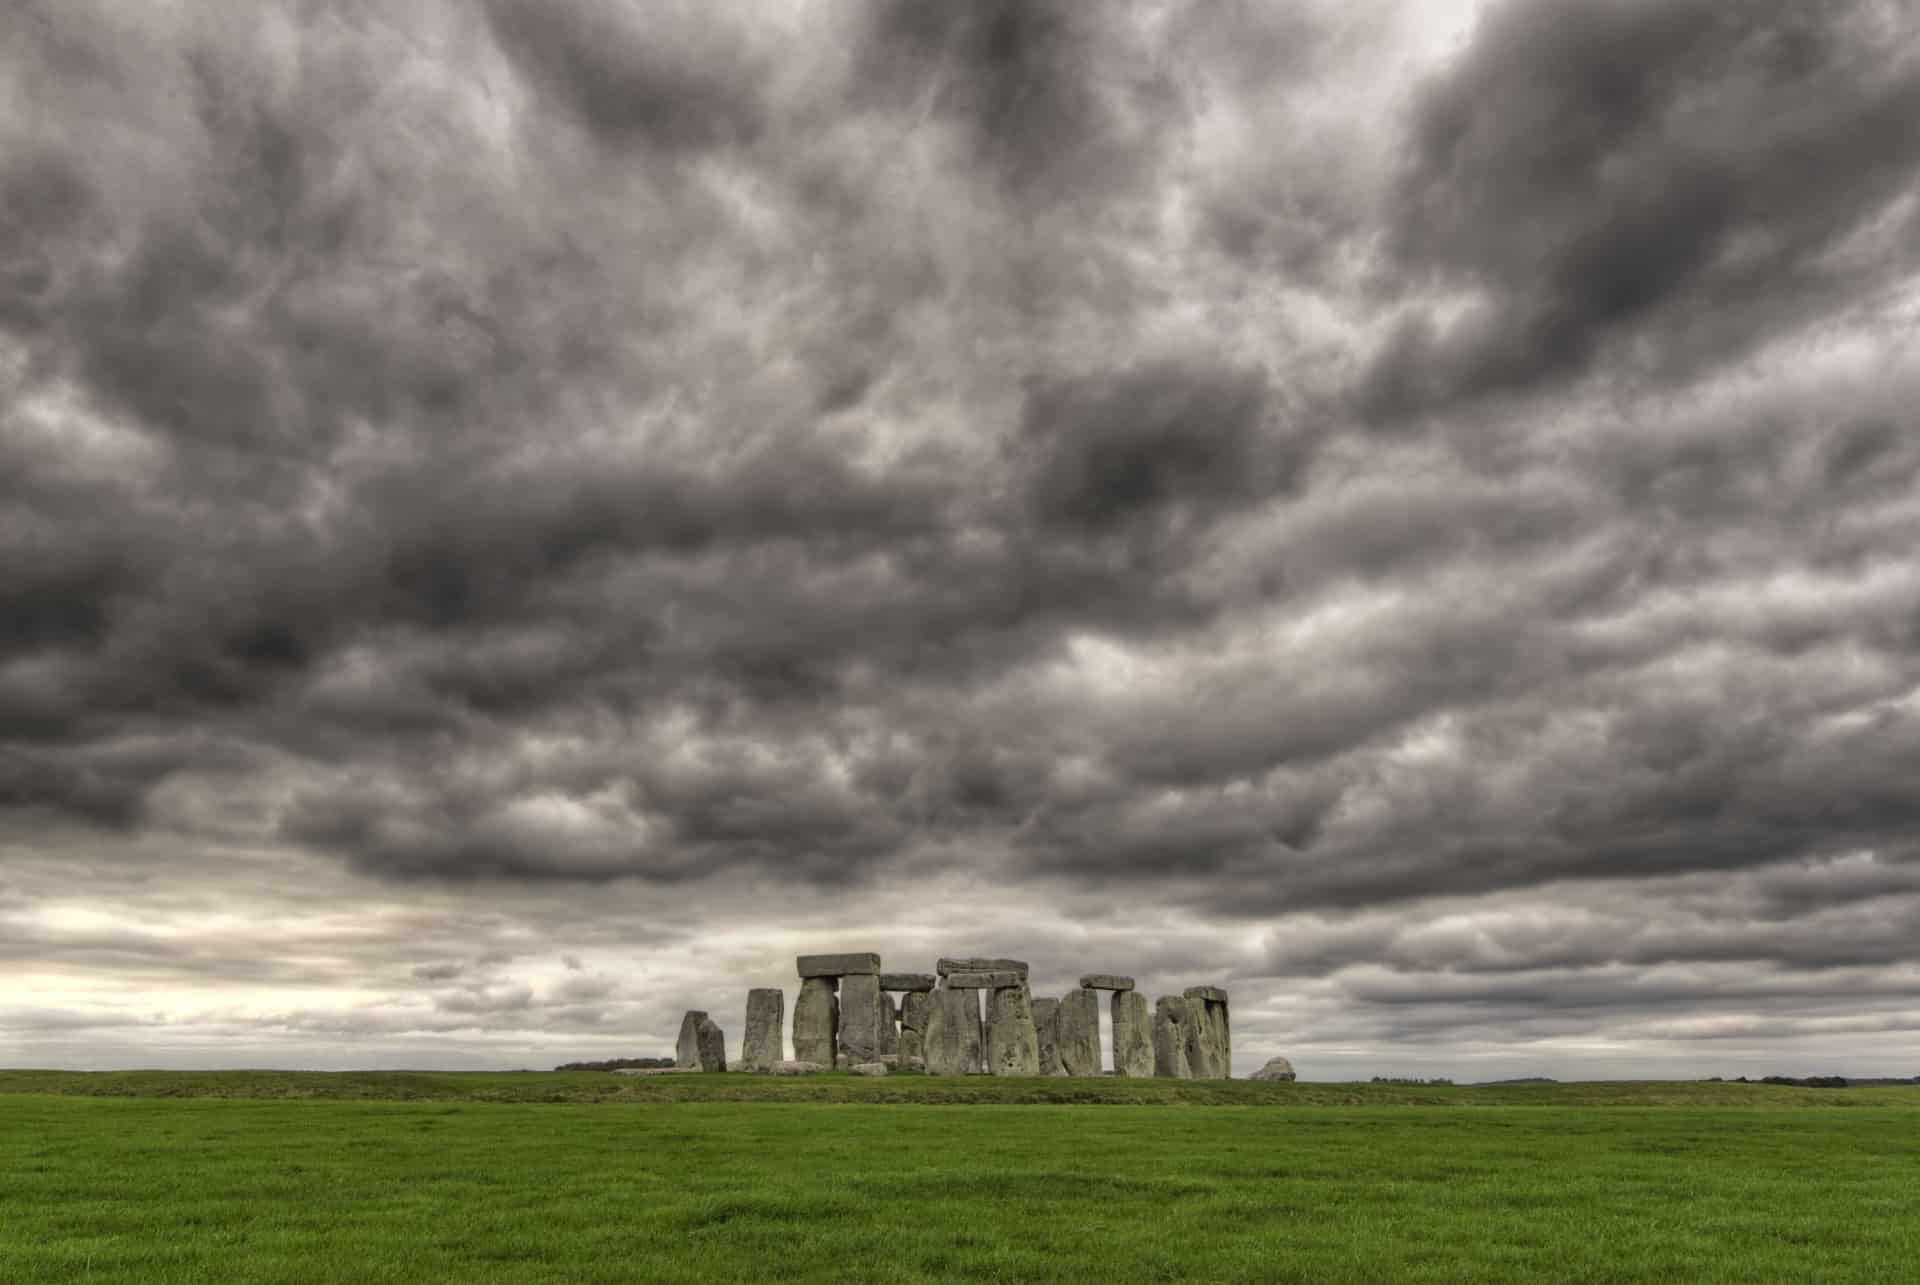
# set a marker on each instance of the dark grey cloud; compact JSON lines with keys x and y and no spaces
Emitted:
{"x":1660,"y":184}
{"x":542,"y":462}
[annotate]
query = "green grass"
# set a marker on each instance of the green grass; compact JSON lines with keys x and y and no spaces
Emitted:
{"x":598,"y":1086}
{"x":233,"y":1180}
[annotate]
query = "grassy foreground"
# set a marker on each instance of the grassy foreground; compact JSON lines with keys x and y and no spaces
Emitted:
{"x":259,"y":1189}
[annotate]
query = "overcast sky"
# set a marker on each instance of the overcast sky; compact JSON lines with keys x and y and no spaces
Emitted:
{"x":518,"y":518}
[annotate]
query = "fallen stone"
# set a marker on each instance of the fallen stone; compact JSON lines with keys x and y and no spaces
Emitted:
{"x":953,"y":1034}
{"x":869,"y":1068}
{"x":1132,"y":1035}
{"x":908,"y":1063}
{"x":1106,"y":982}
{"x":837,"y":965}
{"x":816,"y":1021}
{"x":984,"y":981}
{"x":889,"y":1025}
{"x":907,"y":981}
{"x":764,"y":1042}
{"x":1046,"y":1029}
{"x":797,"y":1068}
{"x":1213,"y":994}
{"x":1077,"y":1032}
{"x":1013,"y":1046}
{"x":1170,"y":1039}
{"x":1277,"y":1068}
{"x":656,"y":1070}
{"x":859,"y":1039}
{"x":686,"y":1049}
{"x":947,"y":967}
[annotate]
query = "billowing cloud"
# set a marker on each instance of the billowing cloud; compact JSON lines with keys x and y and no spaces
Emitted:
{"x":1407,"y":512}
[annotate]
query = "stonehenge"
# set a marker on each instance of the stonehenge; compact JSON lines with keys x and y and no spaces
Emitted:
{"x":851,"y":1016}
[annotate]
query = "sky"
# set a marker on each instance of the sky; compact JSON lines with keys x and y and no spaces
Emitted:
{"x":518,"y":518}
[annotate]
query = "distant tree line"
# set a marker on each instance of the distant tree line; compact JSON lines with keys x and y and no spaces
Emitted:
{"x":1409,"y":1079}
{"x":1800,"y":1082}
{"x":619,"y":1064}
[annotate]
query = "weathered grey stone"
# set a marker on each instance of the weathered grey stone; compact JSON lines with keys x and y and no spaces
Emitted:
{"x":889,"y":1024}
{"x":914,"y":1008}
{"x":912,"y":1063}
{"x":1047,"y":1030}
{"x":765,"y":1040}
{"x":1223,"y":1035}
{"x":1170,"y":1039}
{"x":953,"y":1033}
{"x":1077,"y":1032}
{"x":984,"y":981}
{"x":837,"y":965}
{"x":1106,"y":982}
{"x":1212,"y":994}
{"x":797,"y":1068}
{"x":869,"y":1068}
{"x":816,"y":1022}
{"x":947,"y":967}
{"x":1013,"y":1046}
{"x":1203,"y":1056}
{"x":686,"y":1049}
{"x":1277,"y":1068}
{"x":906,"y":981}
{"x":859,"y":1039}
{"x":1132,"y":1035}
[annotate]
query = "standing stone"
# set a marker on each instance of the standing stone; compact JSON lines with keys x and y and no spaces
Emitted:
{"x":1046,"y":1029}
{"x":1132,"y":1035}
{"x":816,"y":1022}
{"x":889,"y":1025}
{"x":712,"y":1045}
{"x":1077,"y":1027}
{"x":860,"y":998}
{"x":1209,"y":1005}
{"x":914,"y":1008}
{"x":864,"y":961}
{"x":1203,"y":1056}
{"x":686,"y":1050}
{"x":1013,"y":1046}
{"x":766,"y":1036}
{"x":1277,"y":1068}
{"x":1170,"y":1039}
{"x":953,"y":1033}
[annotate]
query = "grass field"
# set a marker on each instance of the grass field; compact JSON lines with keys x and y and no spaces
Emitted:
{"x":263,"y":1176}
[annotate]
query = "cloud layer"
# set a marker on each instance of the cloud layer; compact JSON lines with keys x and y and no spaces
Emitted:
{"x":1406,"y":510}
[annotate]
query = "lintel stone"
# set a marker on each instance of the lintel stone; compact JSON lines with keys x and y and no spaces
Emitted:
{"x":947,"y":967}
{"x":1106,"y":982}
{"x":837,"y":965}
{"x":906,"y":981}
{"x":983,"y":981}
{"x":1212,"y":994}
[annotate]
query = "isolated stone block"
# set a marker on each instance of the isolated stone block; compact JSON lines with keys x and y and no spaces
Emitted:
{"x":1277,"y":1068}
{"x":764,"y":1041}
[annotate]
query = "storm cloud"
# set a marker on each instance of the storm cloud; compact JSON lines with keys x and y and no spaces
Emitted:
{"x":1406,"y":511}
